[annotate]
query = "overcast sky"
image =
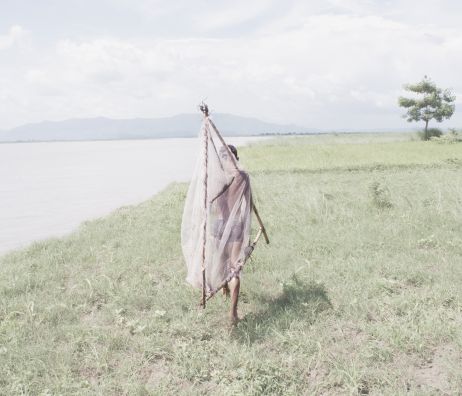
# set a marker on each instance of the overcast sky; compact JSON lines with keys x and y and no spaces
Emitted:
{"x":324,"y":64}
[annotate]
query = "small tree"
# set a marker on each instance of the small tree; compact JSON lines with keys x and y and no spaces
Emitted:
{"x":433,"y":103}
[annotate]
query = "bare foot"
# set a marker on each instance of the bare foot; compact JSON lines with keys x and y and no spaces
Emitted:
{"x":234,"y":320}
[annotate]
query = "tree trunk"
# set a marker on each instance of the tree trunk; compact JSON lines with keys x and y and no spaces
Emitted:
{"x":426,"y":130}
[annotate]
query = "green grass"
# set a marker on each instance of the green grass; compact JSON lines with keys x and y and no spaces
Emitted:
{"x":359,"y":291}
{"x":298,"y":155}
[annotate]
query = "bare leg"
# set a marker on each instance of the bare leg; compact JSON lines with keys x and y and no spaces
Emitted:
{"x":226,"y":290}
{"x":234,"y":285}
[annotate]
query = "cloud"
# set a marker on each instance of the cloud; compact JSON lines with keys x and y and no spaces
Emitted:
{"x":320,"y":64}
{"x":233,"y":14}
{"x":14,"y":35}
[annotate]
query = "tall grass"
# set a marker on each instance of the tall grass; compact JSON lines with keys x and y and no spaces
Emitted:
{"x":351,"y":296}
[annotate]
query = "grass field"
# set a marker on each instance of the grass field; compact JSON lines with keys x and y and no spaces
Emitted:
{"x":359,"y":291}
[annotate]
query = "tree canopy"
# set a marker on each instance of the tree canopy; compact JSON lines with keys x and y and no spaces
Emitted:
{"x":429,"y":103}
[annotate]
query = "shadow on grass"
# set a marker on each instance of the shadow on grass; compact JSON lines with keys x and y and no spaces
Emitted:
{"x":298,"y":306}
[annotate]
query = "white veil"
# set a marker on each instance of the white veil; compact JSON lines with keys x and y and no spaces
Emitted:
{"x":216,"y":220}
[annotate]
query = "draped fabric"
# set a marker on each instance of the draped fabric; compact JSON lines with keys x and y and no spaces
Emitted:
{"x":215,"y":228}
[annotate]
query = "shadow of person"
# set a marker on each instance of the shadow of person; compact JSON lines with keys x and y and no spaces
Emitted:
{"x":299,"y":302}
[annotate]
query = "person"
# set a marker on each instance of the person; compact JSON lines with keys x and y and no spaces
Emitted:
{"x":231,"y":227}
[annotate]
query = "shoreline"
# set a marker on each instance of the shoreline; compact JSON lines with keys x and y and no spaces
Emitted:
{"x":68,"y":184}
{"x":262,"y":135}
{"x":98,"y":218}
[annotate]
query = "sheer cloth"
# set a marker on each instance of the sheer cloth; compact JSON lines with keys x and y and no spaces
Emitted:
{"x":218,"y":206}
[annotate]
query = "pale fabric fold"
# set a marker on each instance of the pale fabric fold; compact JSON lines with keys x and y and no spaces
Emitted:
{"x":226,"y":213}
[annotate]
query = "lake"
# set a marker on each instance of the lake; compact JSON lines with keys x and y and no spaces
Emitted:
{"x":47,"y":189}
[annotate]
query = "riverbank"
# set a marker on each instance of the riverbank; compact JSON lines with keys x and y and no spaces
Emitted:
{"x":48,"y":189}
{"x":358,"y":292}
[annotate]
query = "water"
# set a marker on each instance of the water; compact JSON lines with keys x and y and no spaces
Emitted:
{"x":48,"y":189}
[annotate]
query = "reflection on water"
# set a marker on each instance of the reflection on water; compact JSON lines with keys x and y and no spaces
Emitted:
{"x":48,"y":189}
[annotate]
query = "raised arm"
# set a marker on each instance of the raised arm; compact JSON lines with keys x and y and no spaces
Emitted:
{"x":223,"y":190}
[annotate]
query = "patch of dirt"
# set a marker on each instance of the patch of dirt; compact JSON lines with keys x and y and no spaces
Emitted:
{"x":91,"y":374}
{"x":153,"y":374}
{"x":318,"y":374}
{"x":434,"y":374}
{"x":92,"y":318}
{"x":350,"y":333}
{"x":363,"y":388}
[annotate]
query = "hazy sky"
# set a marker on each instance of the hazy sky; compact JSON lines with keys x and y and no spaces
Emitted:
{"x":323,"y":64}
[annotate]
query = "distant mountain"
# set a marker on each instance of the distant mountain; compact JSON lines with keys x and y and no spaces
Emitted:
{"x":182,"y":125}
